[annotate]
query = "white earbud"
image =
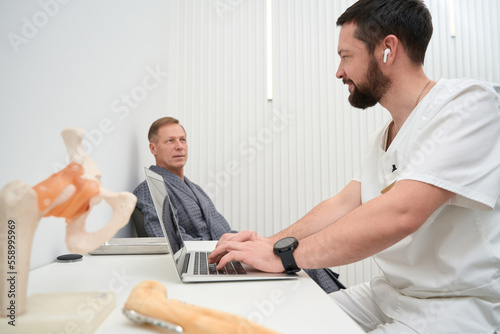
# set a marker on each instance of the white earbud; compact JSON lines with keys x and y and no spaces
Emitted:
{"x":386,"y":53}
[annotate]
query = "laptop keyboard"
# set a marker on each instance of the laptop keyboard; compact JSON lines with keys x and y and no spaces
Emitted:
{"x":202,"y":267}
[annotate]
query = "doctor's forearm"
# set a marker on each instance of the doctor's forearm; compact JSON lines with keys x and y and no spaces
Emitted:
{"x":372,"y":227}
{"x":353,"y":238}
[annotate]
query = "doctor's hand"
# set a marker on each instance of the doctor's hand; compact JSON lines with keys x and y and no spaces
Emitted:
{"x":242,"y":236}
{"x":249,"y":248}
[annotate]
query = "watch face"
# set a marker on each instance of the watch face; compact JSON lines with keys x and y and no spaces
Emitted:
{"x":285,"y":243}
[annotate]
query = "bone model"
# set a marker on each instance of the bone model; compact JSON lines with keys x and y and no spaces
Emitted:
{"x":149,"y":298}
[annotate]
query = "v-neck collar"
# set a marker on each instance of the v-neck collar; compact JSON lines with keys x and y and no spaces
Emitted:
{"x":176,"y":182}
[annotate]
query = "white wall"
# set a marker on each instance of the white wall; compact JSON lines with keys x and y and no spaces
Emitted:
{"x":266,"y":164}
{"x":74,"y":64}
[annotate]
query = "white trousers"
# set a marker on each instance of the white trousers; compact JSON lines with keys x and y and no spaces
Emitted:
{"x":358,"y":303}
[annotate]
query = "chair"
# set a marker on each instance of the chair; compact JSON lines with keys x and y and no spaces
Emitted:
{"x":137,"y":220}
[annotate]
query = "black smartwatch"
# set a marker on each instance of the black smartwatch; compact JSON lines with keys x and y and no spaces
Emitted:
{"x":284,"y":249}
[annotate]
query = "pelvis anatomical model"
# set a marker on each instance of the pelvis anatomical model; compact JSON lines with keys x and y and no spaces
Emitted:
{"x":71,"y":194}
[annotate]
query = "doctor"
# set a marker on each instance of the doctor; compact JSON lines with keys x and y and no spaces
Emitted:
{"x":425,"y":203}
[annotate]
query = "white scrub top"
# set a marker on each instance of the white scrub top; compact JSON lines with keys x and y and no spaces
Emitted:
{"x":445,"y":277}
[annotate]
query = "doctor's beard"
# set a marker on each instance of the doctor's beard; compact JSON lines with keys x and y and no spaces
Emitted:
{"x":367,"y":94}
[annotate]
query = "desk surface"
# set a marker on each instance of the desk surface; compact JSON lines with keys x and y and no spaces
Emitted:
{"x":297,"y":306}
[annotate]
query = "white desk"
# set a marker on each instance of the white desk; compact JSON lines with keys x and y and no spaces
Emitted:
{"x":296,"y":306}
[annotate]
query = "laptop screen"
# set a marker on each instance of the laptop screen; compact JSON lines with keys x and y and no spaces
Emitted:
{"x":166,"y":214}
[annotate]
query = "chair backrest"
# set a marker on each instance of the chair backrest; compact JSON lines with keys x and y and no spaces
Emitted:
{"x":137,"y":220}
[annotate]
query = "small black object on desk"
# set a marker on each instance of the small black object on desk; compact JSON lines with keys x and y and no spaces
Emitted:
{"x":69,"y":258}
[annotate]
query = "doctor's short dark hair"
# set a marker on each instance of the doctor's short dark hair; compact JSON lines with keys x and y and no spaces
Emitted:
{"x":409,"y":20}
{"x":153,"y":130}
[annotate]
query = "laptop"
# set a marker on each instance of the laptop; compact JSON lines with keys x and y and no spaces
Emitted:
{"x":191,"y":265}
{"x":132,"y":246}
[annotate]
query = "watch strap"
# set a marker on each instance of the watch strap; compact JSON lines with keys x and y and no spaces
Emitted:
{"x":289,"y":262}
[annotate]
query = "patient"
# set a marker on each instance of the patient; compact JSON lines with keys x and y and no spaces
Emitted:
{"x":198,"y":217}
